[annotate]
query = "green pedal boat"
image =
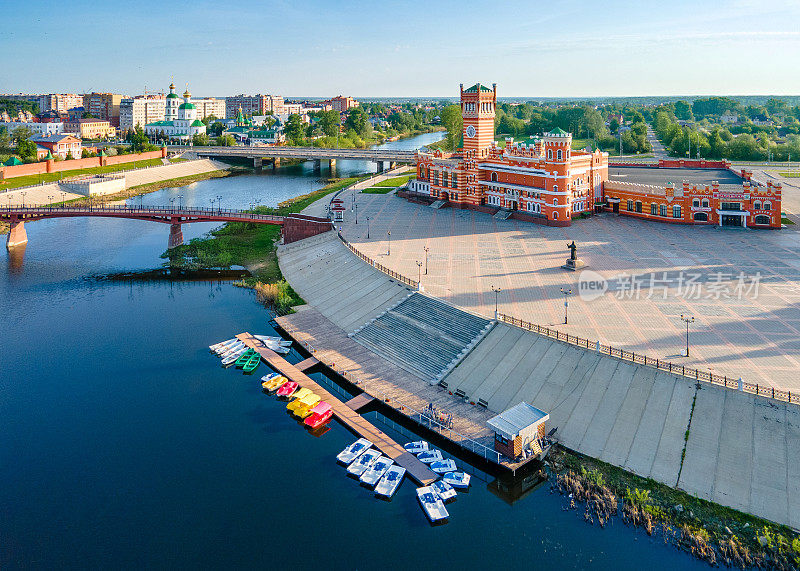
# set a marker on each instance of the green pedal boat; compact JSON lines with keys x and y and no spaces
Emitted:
{"x":252,"y":364}
{"x":244,"y":358}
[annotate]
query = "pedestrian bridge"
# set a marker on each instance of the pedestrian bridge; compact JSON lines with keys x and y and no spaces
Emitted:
{"x":294,"y":226}
{"x":258,"y":154}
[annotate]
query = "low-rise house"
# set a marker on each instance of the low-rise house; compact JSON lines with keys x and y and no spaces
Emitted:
{"x":62,"y":145}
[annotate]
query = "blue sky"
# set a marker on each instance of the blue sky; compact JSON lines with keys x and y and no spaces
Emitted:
{"x":388,"y":48}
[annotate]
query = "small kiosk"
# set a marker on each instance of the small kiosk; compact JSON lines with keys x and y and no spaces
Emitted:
{"x":337,"y":210}
{"x":519,"y":430}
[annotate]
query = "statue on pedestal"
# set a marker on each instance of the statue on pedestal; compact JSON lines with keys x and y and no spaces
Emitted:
{"x":573,"y":262}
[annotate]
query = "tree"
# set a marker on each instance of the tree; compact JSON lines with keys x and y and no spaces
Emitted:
{"x":683,"y":110}
{"x":358,"y":121}
{"x":613,"y":125}
{"x":330,"y":122}
{"x":294,"y":129}
{"x":138,"y":140}
{"x":200,"y":140}
{"x":21,"y":134}
{"x":26,"y":149}
{"x":87,"y":115}
{"x":216,"y":129}
{"x":453,"y":122}
{"x":5,"y":138}
{"x":226,"y":141}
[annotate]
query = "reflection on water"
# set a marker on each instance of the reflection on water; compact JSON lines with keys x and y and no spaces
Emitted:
{"x":125,"y":444}
{"x":16,"y":256}
{"x":511,"y":490}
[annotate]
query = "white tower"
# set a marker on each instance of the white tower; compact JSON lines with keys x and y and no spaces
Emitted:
{"x":171,"y":109}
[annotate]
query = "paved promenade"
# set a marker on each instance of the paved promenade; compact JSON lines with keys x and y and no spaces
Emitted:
{"x":748,"y":327}
{"x":45,"y":194}
{"x":741,"y":451}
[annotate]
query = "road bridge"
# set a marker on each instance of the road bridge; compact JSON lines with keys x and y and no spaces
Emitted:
{"x":294,"y":226}
{"x":317,"y":154}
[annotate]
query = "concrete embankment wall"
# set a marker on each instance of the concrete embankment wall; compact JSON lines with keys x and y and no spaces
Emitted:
{"x":41,"y":194}
{"x":742,"y":451}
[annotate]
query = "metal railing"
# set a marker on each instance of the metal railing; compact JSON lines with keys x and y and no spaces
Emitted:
{"x":660,"y":364}
{"x":378,"y":266}
{"x":421,"y":417}
{"x":154,"y":210}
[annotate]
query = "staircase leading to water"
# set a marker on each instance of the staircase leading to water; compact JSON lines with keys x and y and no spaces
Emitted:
{"x":502,"y":214}
{"x":424,"y":336}
{"x":438,"y":204}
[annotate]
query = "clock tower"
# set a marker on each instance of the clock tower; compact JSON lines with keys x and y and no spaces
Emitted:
{"x":477,"y":110}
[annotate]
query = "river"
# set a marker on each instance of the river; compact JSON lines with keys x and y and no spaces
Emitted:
{"x":125,"y":444}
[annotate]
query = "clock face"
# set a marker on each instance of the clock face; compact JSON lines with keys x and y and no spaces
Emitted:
{"x":470,"y":131}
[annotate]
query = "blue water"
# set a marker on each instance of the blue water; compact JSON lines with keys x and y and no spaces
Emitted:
{"x":125,"y":444}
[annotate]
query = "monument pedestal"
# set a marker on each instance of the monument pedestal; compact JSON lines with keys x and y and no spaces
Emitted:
{"x":574,"y":265}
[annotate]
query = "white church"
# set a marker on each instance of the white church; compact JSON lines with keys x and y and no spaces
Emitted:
{"x":180,"y":119}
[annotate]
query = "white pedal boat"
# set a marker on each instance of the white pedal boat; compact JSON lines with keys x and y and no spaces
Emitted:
{"x":231,"y":358}
{"x":353,"y":450}
{"x":444,"y":490}
{"x":416,"y":447}
{"x":217,"y":346}
{"x":374,"y":473}
{"x":391,"y":480}
{"x":430,"y":456}
{"x":431,"y":504}
{"x":443,"y":466}
{"x":363,"y":462}
{"x":457,"y":479}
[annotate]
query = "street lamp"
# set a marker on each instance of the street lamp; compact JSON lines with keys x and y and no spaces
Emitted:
{"x":63,"y":199}
{"x":687,"y":319}
{"x":356,"y":207}
{"x":419,"y":272}
{"x":388,"y":242}
{"x":219,"y":204}
{"x":180,"y":202}
{"x":426,"y":258}
{"x":24,"y":192}
{"x":367,"y":227}
{"x":212,"y":201}
{"x":172,"y":203}
{"x":567,"y":293}
{"x":496,"y":290}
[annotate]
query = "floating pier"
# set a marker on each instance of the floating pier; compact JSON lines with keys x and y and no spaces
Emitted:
{"x":346,"y":415}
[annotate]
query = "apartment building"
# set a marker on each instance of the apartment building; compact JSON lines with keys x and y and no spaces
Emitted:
{"x":141,"y":110}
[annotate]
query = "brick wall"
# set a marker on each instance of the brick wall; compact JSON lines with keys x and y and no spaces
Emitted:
{"x":58,"y":166}
{"x":299,"y":227}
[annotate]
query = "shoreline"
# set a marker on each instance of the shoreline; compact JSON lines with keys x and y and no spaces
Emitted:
{"x":141,"y":189}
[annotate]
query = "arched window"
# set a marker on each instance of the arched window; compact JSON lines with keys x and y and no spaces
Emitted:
{"x":422,"y":173}
{"x":767,"y":206}
{"x":696,"y":202}
{"x":555,"y":202}
{"x":549,"y":154}
{"x":559,"y":154}
{"x":761,"y":219}
{"x":555,"y":215}
{"x":757,"y":205}
{"x":494,"y":177}
{"x":705,"y":203}
{"x":701,"y":216}
{"x":638,"y":206}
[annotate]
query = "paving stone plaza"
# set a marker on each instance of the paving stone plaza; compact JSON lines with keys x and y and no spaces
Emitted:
{"x":741,"y":286}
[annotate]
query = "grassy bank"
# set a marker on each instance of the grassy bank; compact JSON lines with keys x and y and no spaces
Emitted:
{"x":254,"y":247}
{"x":714,"y":533}
{"x":137,"y":190}
{"x":28,"y":180}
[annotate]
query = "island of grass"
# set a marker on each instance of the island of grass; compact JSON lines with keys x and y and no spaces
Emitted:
{"x":388,"y":185}
{"x":254,"y":247}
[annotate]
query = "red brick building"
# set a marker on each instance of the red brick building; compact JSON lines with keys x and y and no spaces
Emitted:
{"x":340,"y":104}
{"x":542,"y":179}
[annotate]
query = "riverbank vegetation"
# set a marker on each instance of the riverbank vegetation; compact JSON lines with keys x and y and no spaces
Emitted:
{"x":388,"y":185}
{"x":254,"y":247}
{"x":709,"y":531}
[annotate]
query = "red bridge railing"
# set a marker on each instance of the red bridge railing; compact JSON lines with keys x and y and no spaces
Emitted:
{"x":139,"y":211}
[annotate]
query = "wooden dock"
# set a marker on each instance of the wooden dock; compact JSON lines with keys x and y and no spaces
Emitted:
{"x":344,"y":413}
